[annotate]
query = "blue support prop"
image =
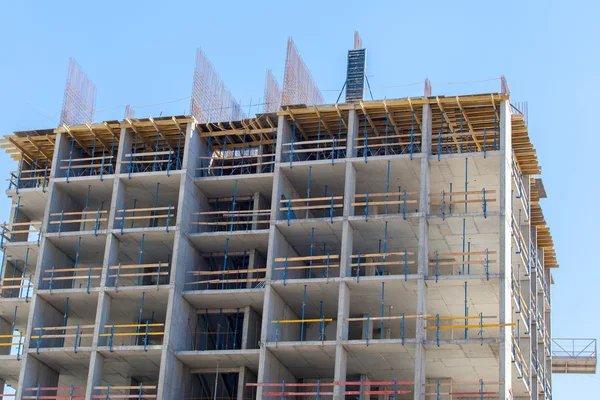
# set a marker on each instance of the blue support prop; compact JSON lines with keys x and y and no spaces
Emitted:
{"x":331,"y":210}
{"x":39,"y":339}
{"x":141,"y":312}
{"x":385,"y":233}
{"x":464,"y":239}
{"x":312,"y":247}
{"x":484,"y":205}
{"x":51,"y":279}
{"x":235,"y":331}
{"x":322,"y":324}
{"x":387,"y":186}
{"x":365,"y":144}
{"x":367,"y":328}
{"x":484,"y":143}
{"x":123,"y":219}
{"x":360,"y":396}
{"x":146,"y":338}
{"x":469,"y":258}
{"x":443,"y":205}
{"x":308,"y":191}
{"x":303,"y":311}
{"x":466,"y":313}
{"x":65,"y":318}
{"x":76,"y":339}
{"x":487,"y":267}
{"x":318,"y":389}
{"x":402,"y":329}
{"x":70,"y":159}
{"x":437,"y":265}
{"x":285,"y":262}
{"x":481,"y":389}
{"x":87,"y":203}
{"x":97,"y":223}
{"x":450,"y":208}
{"x":168,"y":217}
{"x":225,"y":259}
{"x":140,"y":259}
{"x":387,"y":124}
{"x":404,"y":206}
{"x":412,"y":140}
{"x":357,"y":267}
{"x":89,"y":279}
{"x":111,"y":337}
{"x":437,"y":331}
{"x":381,"y":324}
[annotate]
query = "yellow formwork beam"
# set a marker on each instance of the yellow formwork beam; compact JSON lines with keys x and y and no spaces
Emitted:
{"x":295,"y":321}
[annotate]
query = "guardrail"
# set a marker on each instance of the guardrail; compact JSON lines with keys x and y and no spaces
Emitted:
{"x":574,"y":348}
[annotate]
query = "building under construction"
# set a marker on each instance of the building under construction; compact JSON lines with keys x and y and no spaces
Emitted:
{"x":373,"y":249}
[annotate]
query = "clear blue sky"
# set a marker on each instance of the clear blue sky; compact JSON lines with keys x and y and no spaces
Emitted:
{"x":143,"y":54}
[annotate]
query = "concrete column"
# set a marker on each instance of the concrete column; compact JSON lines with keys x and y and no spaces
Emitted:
{"x":341,"y":355}
{"x":249,"y":330}
{"x":94,"y":374}
{"x":422,"y":257}
{"x":504,"y":259}
{"x":125,"y":146}
{"x":62,"y":146}
{"x":5,"y":329}
{"x":244,"y":376}
{"x":102,"y":319}
{"x":346,"y":249}
{"x":284,"y":135}
{"x":349,"y":189}
{"x":353,"y":130}
{"x":191,"y":149}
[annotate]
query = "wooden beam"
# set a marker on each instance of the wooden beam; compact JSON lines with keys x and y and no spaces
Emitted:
{"x":23,"y":151}
{"x":159,"y":132}
{"x":177,"y":125}
{"x":110,"y":130}
{"x":412,"y":109}
{"x":106,"y":147}
{"x":362,"y":105}
{"x":449,"y":124}
{"x":38,"y":148}
{"x":134,"y":129}
{"x":297,"y":124}
{"x":271,"y":124}
{"x":464,"y":114}
{"x":391,"y":117}
{"x":321,"y":120}
{"x":76,"y":140}
{"x":337,"y":109}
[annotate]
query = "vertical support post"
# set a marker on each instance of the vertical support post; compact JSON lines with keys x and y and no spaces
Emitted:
{"x":504,"y":259}
{"x":303,"y":311}
{"x":423,"y":249}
